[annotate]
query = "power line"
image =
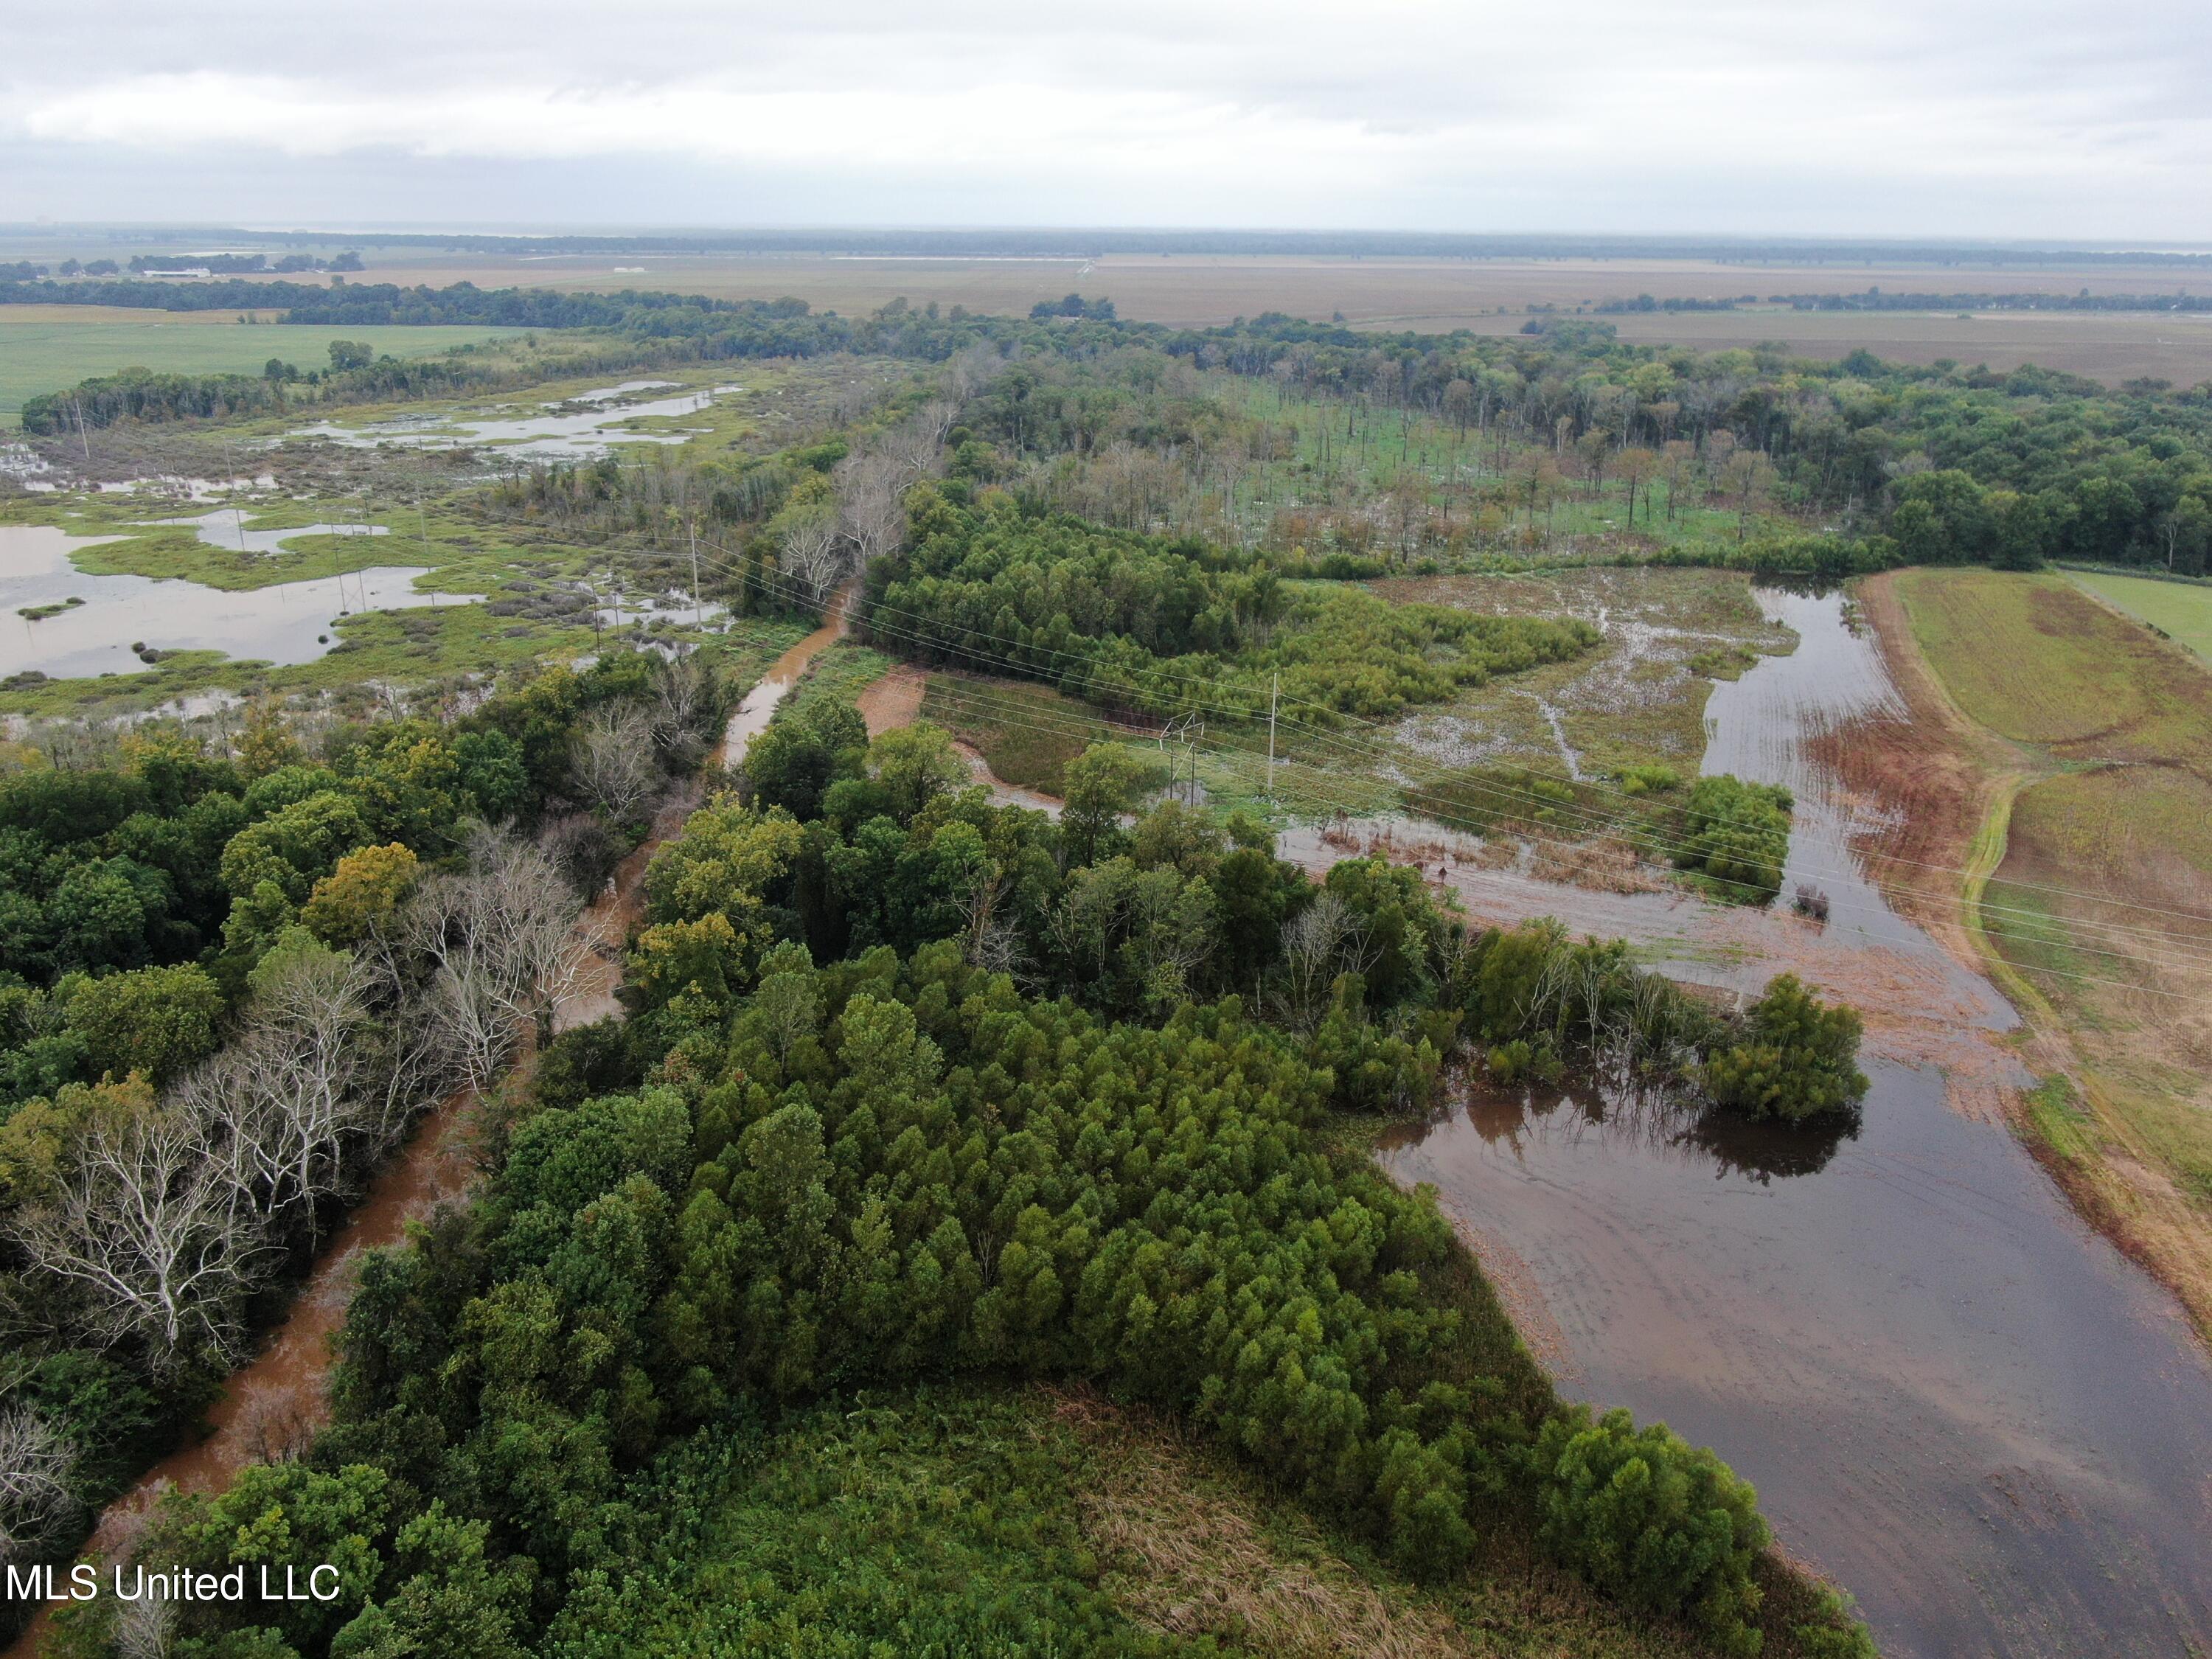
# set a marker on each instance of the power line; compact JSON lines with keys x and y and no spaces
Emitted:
{"x":1596,"y":821}
{"x":933,"y":643}
{"x":976,"y":698}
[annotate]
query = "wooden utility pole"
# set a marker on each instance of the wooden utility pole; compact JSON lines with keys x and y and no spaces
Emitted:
{"x":698,"y":616}
{"x":1274,"y":690}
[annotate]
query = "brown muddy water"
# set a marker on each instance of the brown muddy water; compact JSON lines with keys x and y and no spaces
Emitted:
{"x":758,"y":706}
{"x":1953,"y":1396}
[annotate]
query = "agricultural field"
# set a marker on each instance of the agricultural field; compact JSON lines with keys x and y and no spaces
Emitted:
{"x":2037,"y":662}
{"x":1433,"y":295}
{"x":2180,"y":611}
{"x":2094,"y":901}
{"x":46,"y":348}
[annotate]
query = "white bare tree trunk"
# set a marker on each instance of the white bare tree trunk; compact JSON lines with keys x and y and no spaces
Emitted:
{"x":35,"y":1499}
{"x":506,"y":954}
{"x":813,"y":555}
{"x":1324,"y":939}
{"x":146,"y":1226}
{"x":611,"y":759}
{"x":301,"y":1087}
{"x":870,"y":505}
{"x":679,"y":701}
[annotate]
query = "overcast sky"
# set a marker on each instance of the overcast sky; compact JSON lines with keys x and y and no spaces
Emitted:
{"x":1996,"y":118}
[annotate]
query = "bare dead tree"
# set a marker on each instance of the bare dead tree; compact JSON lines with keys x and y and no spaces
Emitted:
{"x":971,"y":370}
{"x":611,"y":759}
{"x":146,"y":1224}
{"x":679,"y":703}
{"x":145,"y":1626}
{"x":935,"y":418}
{"x":303,"y":1086}
{"x":504,"y":948}
{"x":36,"y":1499}
{"x":871,"y":503}
{"x":813,"y":553}
{"x":1323,"y":940}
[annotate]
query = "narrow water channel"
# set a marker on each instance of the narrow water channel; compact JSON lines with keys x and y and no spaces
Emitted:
{"x":272,"y":1402}
{"x":1952,"y":1395}
{"x":758,"y":706}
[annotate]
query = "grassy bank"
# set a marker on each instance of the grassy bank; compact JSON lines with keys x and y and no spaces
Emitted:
{"x":46,"y":348}
{"x":2180,"y":611}
{"x":2087,"y":886}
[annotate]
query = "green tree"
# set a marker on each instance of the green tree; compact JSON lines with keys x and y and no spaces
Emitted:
{"x":159,"y":1021}
{"x":1646,"y":1516}
{"x":912,"y":765}
{"x":1796,"y":1057}
{"x":360,"y":894}
{"x":728,"y":857}
{"x":1103,"y":784}
{"x":794,"y":762}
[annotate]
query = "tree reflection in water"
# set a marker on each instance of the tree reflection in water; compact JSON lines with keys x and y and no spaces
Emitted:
{"x":1631,"y":1113}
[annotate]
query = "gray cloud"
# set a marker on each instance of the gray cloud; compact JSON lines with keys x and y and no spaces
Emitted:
{"x":1960,"y":116}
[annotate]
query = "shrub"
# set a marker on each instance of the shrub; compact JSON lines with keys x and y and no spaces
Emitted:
{"x":1738,"y":834}
{"x":1797,"y":1057}
{"x":1647,"y":1517}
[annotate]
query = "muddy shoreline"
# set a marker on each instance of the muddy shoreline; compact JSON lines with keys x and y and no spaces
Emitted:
{"x":1953,"y":1395}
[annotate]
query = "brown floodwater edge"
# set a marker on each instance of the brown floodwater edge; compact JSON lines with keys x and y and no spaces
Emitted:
{"x":1953,"y":1395}
{"x":1953,"y":1398}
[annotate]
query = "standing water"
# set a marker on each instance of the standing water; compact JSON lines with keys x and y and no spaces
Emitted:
{"x":1953,"y":1397}
{"x":758,"y":706}
{"x":81,"y":625}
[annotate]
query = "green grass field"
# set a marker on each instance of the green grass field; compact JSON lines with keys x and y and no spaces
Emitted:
{"x":2106,"y":870}
{"x":46,"y":348}
{"x":2036,"y":660}
{"x":2183,"y":610}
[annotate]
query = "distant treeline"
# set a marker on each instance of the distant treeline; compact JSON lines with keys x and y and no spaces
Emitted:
{"x":1949,"y":461}
{"x":139,"y":394}
{"x":364,"y":304}
{"x":1874,"y":300}
{"x":1072,"y":242}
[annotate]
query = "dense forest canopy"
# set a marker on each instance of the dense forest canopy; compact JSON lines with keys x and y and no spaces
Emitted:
{"x":912,"y":1085}
{"x":1901,"y":463}
{"x":1163,"y":629}
{"x":230,"y":979}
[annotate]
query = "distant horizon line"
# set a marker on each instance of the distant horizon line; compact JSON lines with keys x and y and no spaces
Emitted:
{"x":954,"y":239}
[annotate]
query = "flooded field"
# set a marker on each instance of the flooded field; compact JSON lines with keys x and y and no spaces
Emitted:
{"x":579,"y":428}
{"x":1951,"y":1394}
{"x":283,"y":623}
{"x":225,"y":528}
